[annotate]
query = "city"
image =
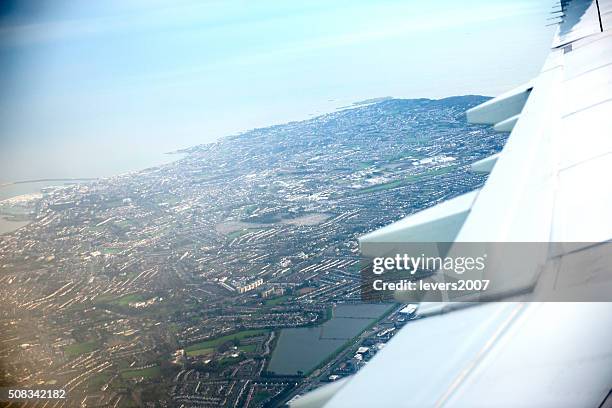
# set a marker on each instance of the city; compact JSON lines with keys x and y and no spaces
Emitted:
{"x":229,"y":277}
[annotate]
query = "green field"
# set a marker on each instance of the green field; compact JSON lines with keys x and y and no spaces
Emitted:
{"x":248,"y":348}
{"x":201,"y":352}
{"x":77,"y":349}
{"x":408,"y":179}
{"x":127,"y":299}
{"x":432,"y":173}
{"x":380,"y":187}
{"x":276,"y":301}
{"x":98,"y":381}
{"x":366,"y":164}
{"x":150,"y":372}
{"x":261,"y":396}
{"x":123,"y":300}
{"x":227,"y":361}
{"x":199,"y":348}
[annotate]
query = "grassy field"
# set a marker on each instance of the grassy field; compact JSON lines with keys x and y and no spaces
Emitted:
{"x":123,"y":301}
{"x":227,"y":361}
{"x":199,"y":348}
{"x":77,"y":349}
{"x":127,"y":299}
{"x":407,"y":179}
{"x":380,"y":187}
{"x":276,"y":301}
{"x":150,"y":372}
{"x":201,"y":352}
{"x":98,"y":381}
{"x":432,"y":173}
{"x":249,"y":348}
{"x":260,"y":396}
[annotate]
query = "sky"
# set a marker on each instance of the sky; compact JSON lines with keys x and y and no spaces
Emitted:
{"x":92,"y":88}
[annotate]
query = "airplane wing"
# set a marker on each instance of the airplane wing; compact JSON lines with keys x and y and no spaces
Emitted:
{"x":550,"y":184}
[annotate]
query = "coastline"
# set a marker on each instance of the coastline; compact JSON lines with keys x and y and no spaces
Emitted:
{"x":49,"y":180}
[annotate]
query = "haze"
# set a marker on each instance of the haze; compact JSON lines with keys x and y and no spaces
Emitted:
{"x":100,"y":88}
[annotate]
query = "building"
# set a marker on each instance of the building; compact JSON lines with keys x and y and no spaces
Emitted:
{"x":249,"y":286}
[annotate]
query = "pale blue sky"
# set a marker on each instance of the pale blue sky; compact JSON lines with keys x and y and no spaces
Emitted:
{"x":95,"y":88}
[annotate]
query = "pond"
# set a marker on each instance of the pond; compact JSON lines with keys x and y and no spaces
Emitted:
{"x":305,"y":348}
